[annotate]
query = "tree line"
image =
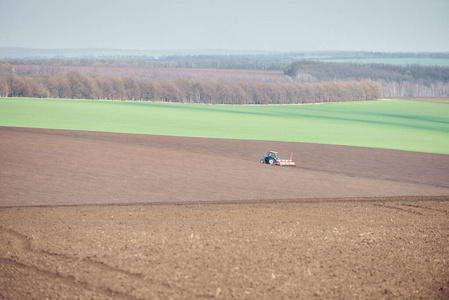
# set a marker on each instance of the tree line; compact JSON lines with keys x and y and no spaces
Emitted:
{"x":75,"y":85}
{"x":231,"y":62}
{"x":395,"y":80}
{"x":212,"y":60}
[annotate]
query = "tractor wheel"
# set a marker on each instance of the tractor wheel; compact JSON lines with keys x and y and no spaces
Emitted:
{"x":262,"y":161}
{"x":271,"y":161}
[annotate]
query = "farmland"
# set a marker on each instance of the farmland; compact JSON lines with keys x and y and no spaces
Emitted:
{"x":139,"y":200}
{"x":401,"y":125}
{"x":112,"y":215}
{"x":317,"y":249}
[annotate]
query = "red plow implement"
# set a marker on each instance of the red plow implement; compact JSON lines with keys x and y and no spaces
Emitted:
{"x":286,"y":162}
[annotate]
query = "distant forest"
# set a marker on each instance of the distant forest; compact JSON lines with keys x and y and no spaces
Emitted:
{"x":259,"y":61}
{"x":76,"y":85}
{"x":240,"y":62}
{"x":255,"y":79}
{"x":220,"y":59}
{"x":396,"y":80}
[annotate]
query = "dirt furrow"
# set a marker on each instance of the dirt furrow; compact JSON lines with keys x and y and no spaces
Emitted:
{"x":82,"y":273}
{"x":39,"y":261}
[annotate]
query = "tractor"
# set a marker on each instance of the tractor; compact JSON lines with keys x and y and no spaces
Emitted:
{"x":272,"y":158}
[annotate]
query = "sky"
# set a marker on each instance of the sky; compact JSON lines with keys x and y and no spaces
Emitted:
{"x":278,"y":25}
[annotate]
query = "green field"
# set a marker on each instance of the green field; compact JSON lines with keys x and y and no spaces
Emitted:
{"x":396,"y":61}
{"x":392,"y":124}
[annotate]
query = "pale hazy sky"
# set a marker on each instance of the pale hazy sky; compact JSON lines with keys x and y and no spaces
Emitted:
{"x":281,"y":25}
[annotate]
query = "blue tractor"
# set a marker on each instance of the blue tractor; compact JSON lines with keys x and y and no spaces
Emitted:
{"x":270,"y":158}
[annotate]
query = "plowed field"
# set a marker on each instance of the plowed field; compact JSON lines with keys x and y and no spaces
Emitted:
{"x":93,"y":215}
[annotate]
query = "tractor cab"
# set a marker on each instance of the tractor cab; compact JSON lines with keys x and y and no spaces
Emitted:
{"x":270,"y":158}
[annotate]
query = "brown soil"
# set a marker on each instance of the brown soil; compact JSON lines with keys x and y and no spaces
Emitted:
{"x":345,"y":223}
{"x":56,"y":167}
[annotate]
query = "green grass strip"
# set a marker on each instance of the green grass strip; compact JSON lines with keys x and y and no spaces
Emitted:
{"x":393,"y":124}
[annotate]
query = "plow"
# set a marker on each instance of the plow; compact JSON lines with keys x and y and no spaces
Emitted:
{"x":273,"y":159}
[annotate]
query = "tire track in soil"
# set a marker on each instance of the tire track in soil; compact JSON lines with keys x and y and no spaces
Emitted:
{"x":46,"y":275}
{"x":85,"y":265}
{"x":263,"y":201}
{"x":427,"y":208}
{"x":399,"y":208}
{"x":23,"y":245}
{"x":411,"y":208}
